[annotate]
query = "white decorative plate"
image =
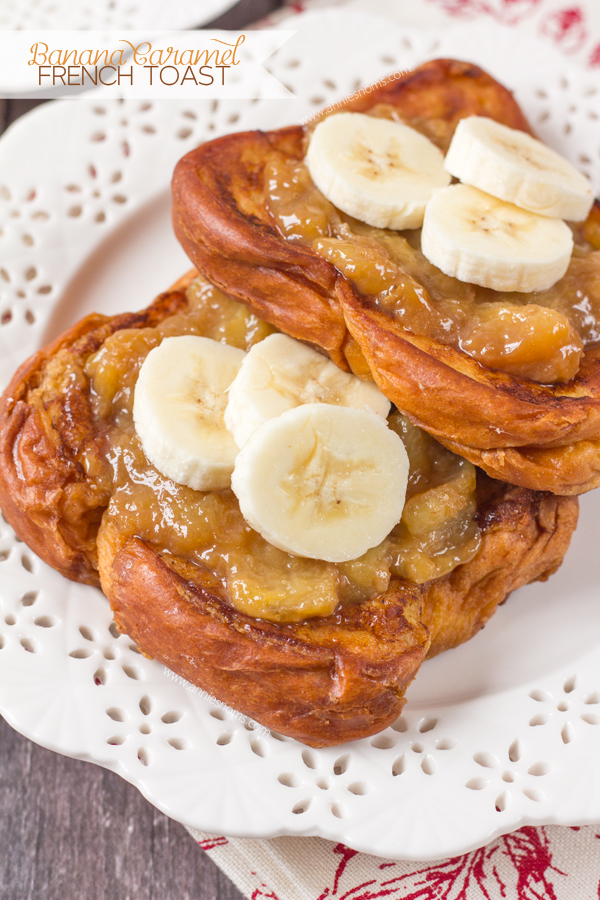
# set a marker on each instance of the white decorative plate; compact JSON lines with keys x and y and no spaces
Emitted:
{"x":109,"y":14}
{"x":502,"y":732}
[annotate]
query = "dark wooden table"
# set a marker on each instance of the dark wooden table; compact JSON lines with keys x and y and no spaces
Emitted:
{"x":70,"y":830}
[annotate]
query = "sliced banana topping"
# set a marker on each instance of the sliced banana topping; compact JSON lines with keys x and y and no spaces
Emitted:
{"x":322,"y":481}
{"x":477,"y":238}
{"x":179,"y":408}
{"x":513,"y":166}
{"x":377,"y":170}
{"x":281,"y":373}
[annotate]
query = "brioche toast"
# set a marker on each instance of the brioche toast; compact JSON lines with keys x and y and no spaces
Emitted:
{"x":323,"y":680}
{"x":541,"y":436}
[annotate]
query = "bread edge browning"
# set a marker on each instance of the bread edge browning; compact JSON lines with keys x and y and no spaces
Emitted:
{"x":42,"y":445}
{"x":525,"y":536}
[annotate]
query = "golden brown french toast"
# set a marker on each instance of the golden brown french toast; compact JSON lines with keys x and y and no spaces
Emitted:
{"x":76,"y":487}
{"x":544,"y":436}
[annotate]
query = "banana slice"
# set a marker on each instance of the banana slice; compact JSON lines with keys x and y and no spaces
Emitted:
{"x":377,"y":170}
{"x":477,"y":238}
{"x":280,"y":373}
{"x":322,"y":481}
{"x":178,"y":410}
{"x":514,"y":166}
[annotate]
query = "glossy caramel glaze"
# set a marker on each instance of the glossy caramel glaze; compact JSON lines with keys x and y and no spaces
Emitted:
{"x":540,"y":336}
{"x":438,"y":532}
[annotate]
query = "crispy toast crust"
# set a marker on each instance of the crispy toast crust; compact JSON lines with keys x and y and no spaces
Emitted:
{"x":221,"y":220}
{"x":329,"y":680}
{"x":324,"y":680}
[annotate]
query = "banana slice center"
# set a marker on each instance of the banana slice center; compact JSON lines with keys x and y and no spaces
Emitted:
{"x":328,"y":481}
{"x":289,"y":386}
{"x":202,"y":403}
{"x":499,"y":227}
{"x":372,"y":164}
{"x":521,"y":155}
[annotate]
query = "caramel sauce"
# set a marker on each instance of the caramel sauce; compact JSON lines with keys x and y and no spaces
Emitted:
{"x":539,"y":335}
{"x":438,"y":532}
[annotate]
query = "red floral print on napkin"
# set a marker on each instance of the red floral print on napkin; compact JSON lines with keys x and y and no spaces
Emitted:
{"x":508,"y":12}
{"x":264,"y":892}
{"x":213,"y":842}
{"x":473,"y":876}
{"x":346,"y":853}
{"x":567,"y":27}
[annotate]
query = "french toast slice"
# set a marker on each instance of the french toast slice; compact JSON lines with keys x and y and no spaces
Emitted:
{"x":544,"y":437}
{"x":323,"y":680}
